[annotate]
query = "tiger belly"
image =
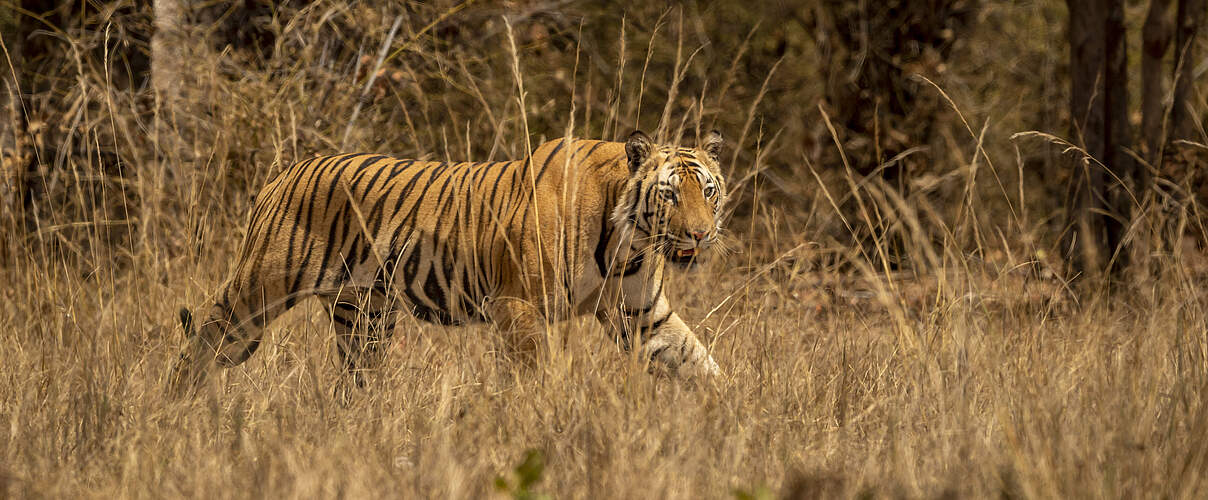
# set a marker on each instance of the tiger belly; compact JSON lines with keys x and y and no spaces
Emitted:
{"x":439,"y":290}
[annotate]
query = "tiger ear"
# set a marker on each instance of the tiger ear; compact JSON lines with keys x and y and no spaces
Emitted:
{"x":713,"y":144}
{"x":637,"y":148}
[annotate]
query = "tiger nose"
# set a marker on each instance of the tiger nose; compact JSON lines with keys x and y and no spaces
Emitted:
{"x":697,"y":235}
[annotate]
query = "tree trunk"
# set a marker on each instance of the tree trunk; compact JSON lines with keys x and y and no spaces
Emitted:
{"x":14,"y":150}
{"x":1155,"y":40}
{"x":167,"y":72}
{"x":1099,"y":107}
{"x":1190,"y":17}
{"x":166,"y":58}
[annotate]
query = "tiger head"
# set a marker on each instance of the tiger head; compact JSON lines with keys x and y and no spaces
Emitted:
{"x":675,"y":195}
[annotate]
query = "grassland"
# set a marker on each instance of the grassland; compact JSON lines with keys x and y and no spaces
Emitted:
{"x":875,"y":341}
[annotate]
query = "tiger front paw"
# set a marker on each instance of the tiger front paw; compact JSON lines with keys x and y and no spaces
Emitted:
{"x":709,"y":368}
{"x":690,"y":363}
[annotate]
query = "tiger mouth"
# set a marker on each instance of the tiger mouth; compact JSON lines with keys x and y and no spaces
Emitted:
{"x":683,"y":257}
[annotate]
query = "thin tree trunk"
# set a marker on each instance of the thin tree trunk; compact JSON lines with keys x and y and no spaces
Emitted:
{"x":1190,"y":17}
{"x":167,"y":69}
{"x":1086,"y":20}
{"x":166,"y":58}
{"x":1155,"y":41}
{"x":164,"y":186}
{"x":1098,"y":106}
{"x":1128,"y":177}
{"x":13,"y":154}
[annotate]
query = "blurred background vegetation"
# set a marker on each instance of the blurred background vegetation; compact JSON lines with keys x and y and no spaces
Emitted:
{"x":128,"y":124}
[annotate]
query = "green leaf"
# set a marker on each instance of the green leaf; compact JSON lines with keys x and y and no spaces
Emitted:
{"x":529,"y":472}
{"x":758,"y":493}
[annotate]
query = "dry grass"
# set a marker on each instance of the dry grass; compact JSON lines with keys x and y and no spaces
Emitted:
{"x":967,"y":368}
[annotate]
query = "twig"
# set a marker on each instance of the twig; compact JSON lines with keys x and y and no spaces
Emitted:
{"x":369,"y":84}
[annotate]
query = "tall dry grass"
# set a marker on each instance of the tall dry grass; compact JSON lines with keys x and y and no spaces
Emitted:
{"x":875,"y":342}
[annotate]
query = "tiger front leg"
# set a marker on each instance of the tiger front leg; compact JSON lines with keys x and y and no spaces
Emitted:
{"x":521,"y":325}
{"x":673,"y":345}
{"x":363,"y":323}
{"x":664,"y":339}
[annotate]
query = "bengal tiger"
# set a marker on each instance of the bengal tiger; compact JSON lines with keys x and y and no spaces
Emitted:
{"x":579,"y":227}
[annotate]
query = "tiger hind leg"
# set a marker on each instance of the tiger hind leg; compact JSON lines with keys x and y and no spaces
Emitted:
{"x":363,"y":323}
{"x":522,"y":326}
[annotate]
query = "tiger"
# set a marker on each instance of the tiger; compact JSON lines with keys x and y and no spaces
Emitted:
{"x":578,"y":227}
